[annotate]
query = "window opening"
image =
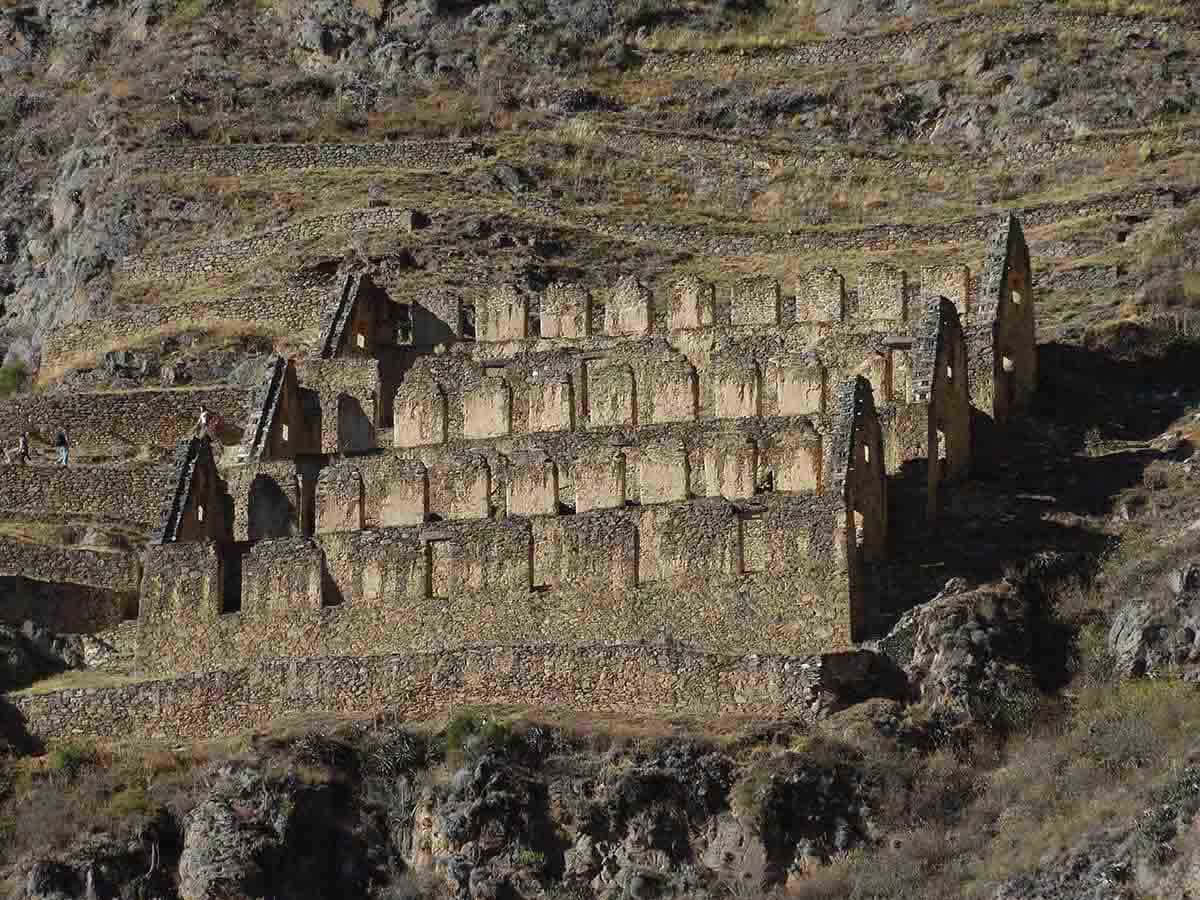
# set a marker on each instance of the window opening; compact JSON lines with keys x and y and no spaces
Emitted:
{"x":1007,"y":364}
{"x":949,"y":373}
{"x":404,"y":326}
{"x":467,"y":321}
{"x":859,"y":530}
{"x":866,"y":453}
{"x":199,"y":512}
{"x":283,"y":434}
{"x":360,"y":340}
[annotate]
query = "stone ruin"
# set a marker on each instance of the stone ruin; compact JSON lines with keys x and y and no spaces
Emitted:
{"x":711,"y":467}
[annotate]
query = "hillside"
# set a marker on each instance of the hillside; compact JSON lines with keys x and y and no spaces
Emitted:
{"x":190,"y":194}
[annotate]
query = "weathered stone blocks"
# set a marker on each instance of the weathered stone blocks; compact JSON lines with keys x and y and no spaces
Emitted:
{"x":466,"y":482}
{"x":821,"y":297}
{"x":599,"y":480}
{"x":731,"y":467}
{"x":663,"y":472}
{"x":952,"y":282}
{"x":566,"y":311}
{"x":881,"y":292}
{"x":799,"y":384}
{"x":692,"y":304}
{"x":532,"y":485}
{"x":419,"y":419}
{"x":736,"y":387}
{"x":339,"y":499}
{"x":551,"y":402}
{"x":487,"y":408}
{"x":674,"y":395}
{"x":611,"y":395}
{"x":754,"y":301}
{"x":627,"y":311}
{"x":505,"y":314}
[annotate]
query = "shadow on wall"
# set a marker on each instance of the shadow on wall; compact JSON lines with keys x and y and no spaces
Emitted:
{"x":13,"y":731}
{"x":356,"y":428}
{"x":270,"y":513}
{"x":1047,"y":483}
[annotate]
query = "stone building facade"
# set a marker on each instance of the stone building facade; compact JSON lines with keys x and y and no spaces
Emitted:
{"x":710,"y":467}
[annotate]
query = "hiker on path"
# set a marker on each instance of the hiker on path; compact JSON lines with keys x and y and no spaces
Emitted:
{"x":63,"y":448}
{"x":208,"y":423}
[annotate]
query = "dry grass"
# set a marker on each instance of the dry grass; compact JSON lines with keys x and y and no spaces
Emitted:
{"x":215,"y":333}
{"x":784,"y":23}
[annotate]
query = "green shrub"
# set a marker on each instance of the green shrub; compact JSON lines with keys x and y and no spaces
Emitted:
{"x":132,"y":800}
{"x":13,"y":378}
{"x":71,"y":758}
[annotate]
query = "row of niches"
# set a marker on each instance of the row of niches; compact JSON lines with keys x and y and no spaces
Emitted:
{"x":601,"y":551}
{"x":388,"y":490}
{"x":568,"y":310}
{"x":438,"y":404}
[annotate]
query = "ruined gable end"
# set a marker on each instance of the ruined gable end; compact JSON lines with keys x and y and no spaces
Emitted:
{"x":355,"y":318}
{"x":276,"y":427}
{"x":196,"y":506}
{"x":1007,"y":306}
{"x":940,"y":385}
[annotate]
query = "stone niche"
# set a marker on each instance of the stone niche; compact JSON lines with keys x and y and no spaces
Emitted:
{"x":731,"y":467}
{"x":419,"y":419}
{"x":465,"y":481}
{"x":952,"y":282}
{"x":566,"y":311}
{"x":339,"y":499}
{"x":881,"y":292}
{"x":821,"y":297}
{"x":754,"y":301}
{"x":487,"y":409}
{"x":692,"y":304}
{"x":551,"y":402}
{"x":795,"y":459}
{"x":599,"y":480}
{"x":406,"y":494}
{"x":506,"y":314}
{"x":628,"y":309}
{"x":799,"y":383}
{"x":532,"y":484}
{"x":610,"y":394}
{"x":663,"y":473}
{"x":736,"y":389}
{"x":673,"y":392}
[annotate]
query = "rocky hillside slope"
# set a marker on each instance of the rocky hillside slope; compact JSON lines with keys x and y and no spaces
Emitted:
{"x":613,"y":137}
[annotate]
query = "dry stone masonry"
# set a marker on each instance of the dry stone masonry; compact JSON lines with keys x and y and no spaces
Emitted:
{"x":538,"y":475}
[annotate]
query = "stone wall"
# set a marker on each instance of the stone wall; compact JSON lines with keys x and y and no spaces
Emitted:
{"x":74,"y":565}
{"x":445,"y":583}
{"x":131,"y":494}
{"x":783,"y":449}
{"x":627,"y":678}
{"x":76,"y":344}
{"x":142,"y":418}
{"x":247,"y":159}
{"x":64,"y":607}
{"x":456,"y":396}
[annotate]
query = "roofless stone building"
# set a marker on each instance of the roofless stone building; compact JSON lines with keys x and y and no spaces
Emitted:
{"x":711,"y":467}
